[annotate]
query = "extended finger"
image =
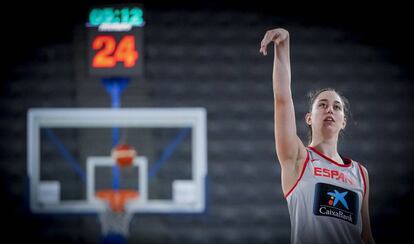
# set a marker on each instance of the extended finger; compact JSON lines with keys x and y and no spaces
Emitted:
{"x":263,"y":50}
{"x":265,"y":40}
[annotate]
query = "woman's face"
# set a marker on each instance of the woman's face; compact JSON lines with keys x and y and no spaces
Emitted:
{"x":327,"y":115}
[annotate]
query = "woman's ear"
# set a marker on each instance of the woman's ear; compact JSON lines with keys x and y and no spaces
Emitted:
{"x":344,"y":123}
{"x":308,"y":119}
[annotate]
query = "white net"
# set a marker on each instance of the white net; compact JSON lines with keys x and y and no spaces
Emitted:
{"x":115,"y":222}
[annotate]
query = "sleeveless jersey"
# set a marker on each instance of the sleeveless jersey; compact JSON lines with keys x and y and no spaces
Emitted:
{"x":325,"y":203}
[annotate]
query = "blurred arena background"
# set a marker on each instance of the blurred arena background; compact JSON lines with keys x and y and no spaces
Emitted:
{"x":200,"y":54}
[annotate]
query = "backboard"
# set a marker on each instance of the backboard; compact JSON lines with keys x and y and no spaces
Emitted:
{"x":69,"y":158}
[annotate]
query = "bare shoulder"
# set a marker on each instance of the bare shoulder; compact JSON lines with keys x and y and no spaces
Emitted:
{"x":302,"y":154}
{"x":364,"y":170}
{"x":302,"y":158}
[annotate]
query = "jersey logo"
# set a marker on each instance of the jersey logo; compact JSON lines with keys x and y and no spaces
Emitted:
{"x":332,"y":174}
{"x":337,"y":202}
{"x":336,"y":197}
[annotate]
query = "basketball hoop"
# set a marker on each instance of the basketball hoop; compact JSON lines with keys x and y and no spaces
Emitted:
{"x":115,"y":220}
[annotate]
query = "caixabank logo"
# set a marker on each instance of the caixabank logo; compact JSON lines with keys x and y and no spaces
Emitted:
{"x":337,"y":202}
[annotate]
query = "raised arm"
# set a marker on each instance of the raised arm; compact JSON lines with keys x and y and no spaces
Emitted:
{"x":289,"y":147}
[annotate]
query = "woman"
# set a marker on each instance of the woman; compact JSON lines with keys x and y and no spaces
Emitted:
{"x":327,"y":194}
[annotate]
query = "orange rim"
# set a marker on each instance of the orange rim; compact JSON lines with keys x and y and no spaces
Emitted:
{"x":117,"y":198}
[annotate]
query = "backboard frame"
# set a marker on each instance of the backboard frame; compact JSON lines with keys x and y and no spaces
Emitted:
{"x":194,"y":118}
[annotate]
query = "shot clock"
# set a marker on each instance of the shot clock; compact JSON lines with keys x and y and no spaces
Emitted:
{"x":115,"y":41}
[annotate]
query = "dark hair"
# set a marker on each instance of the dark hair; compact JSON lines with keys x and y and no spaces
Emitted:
{"x":312,"y":97}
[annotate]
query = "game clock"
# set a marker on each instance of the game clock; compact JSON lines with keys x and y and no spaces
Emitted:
{"x":112,"y":15}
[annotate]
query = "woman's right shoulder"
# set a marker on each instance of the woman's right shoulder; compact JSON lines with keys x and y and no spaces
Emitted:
{"x":293,"y":171}
{"x":303,"y":157}
{"x":295,"y":165}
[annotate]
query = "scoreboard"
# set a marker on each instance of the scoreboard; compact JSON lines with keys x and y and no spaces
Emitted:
{"x":115,"y":41}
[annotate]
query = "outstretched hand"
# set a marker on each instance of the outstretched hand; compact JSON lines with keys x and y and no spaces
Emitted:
{"x":277,"y":36}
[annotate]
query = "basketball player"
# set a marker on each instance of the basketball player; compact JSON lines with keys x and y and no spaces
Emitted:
{"x":327,"y":194}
